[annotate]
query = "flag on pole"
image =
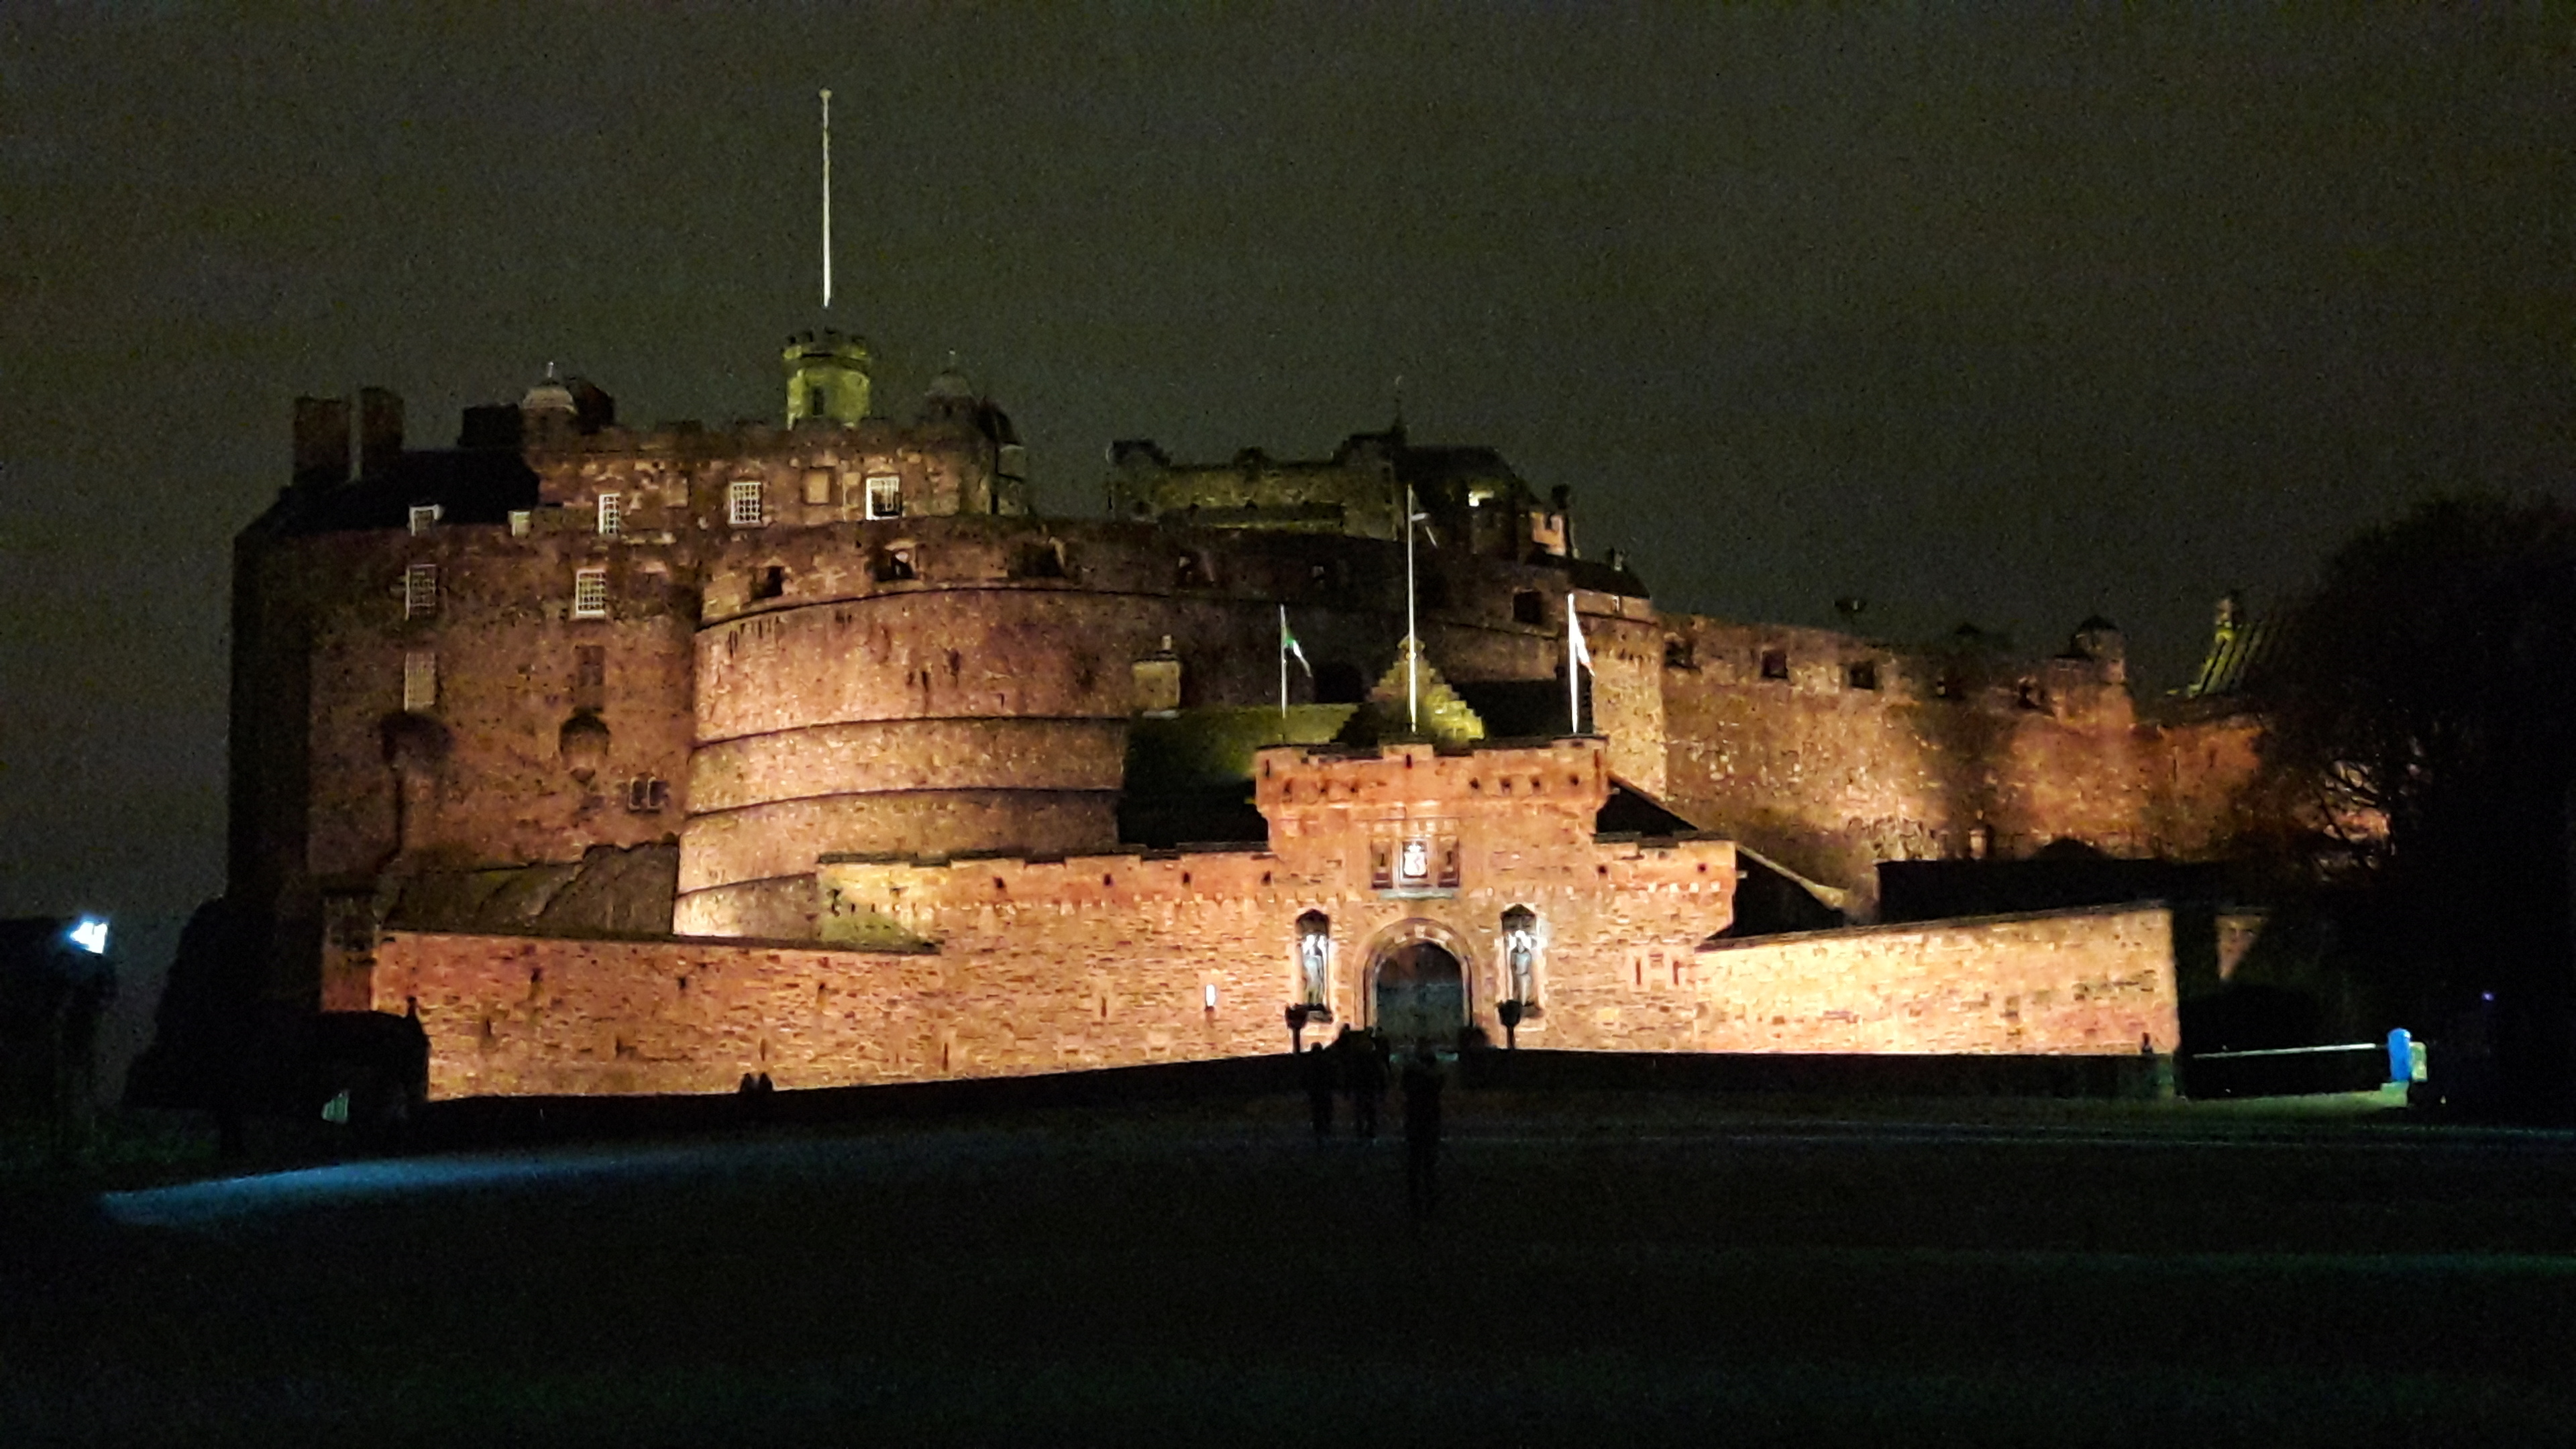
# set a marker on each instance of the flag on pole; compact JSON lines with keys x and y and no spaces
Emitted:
{"x":1578,"y":657}
{"x":1288,"y":646}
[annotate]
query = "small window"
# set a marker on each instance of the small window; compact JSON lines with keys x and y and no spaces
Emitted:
{"x":1381,"y":865}
{"x":1775,"y":664}
{"x":743,"y":508}
{"x":769,"y":583}
{"x":885,"y":496}
{"x":424,"y":517}
{"x":420,"y":591}
{"x":646,"y":795}
{"x":522,"y":520}
{"x":590,"y":594}
{"x":1861,"y":674}
{"x":2027,"y":695}
{"x":1679,"y":654}
{"x":818,"y":403}
{"x":1041,"y":559}
{"x":1190,"y":571}
{"x":612,"y":515}
{"x":1528,"y":607}
{"x":891,"y":565}
{"x":420,"y":681}
{"x":590,"y":677}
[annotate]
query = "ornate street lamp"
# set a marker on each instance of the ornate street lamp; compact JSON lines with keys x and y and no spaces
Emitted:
{"x":1510,"y":1012}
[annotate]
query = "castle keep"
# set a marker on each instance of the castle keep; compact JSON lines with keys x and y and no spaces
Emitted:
{"x":637,"y":759}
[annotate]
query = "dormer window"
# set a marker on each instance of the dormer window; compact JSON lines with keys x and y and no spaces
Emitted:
{"x":744,"y":504}
{"x":885,"y":496}
{"x":612,"y":515}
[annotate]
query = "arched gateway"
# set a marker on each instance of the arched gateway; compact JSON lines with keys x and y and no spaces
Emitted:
{"x":1419,"y":994}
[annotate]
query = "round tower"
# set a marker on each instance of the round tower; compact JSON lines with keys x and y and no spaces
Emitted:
{"x":827,"y":377}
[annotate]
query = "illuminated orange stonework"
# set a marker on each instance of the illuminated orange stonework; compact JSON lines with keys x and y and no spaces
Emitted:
{"x":1044,"y":964}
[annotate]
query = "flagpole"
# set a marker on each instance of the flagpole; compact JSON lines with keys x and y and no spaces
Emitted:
{"x":1412,"y":645}
{"x":1283,"y":672}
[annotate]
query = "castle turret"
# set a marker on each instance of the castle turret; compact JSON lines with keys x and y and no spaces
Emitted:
{"x":827,"y":377}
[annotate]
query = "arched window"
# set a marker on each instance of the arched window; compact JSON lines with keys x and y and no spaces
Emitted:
{"x":1315,"y":958}
{"x":1520,"y":954}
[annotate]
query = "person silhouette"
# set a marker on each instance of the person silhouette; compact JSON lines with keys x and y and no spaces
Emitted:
{"x":1422,"y":1086}
{"x":1366,"y":1074}
{"x":1315,"y":1068}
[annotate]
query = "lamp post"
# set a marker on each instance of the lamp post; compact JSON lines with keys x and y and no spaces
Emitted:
{"x":1297,"y":1014}
{"x":1510,"y":1012}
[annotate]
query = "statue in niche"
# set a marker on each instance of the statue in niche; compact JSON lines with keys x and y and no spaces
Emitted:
{"x":1520,"y":951}
{"x":1315,"y":956}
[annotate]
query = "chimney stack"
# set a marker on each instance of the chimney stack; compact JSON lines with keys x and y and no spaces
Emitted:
{"x":321,"y":441}
{"x":380,"y":429}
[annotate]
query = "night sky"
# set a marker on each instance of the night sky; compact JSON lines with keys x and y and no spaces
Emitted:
{"x":2004,"y":318}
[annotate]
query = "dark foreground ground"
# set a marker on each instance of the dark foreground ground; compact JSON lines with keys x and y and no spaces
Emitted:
{"x":1605,"y":1269}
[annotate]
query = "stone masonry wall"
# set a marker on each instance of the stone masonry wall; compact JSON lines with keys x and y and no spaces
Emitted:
{"x":2095,"y":981}
{"x":1831,"y":753}
{"x":482,"y":770}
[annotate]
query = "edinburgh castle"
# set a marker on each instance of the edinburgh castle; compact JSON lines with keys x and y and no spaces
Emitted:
{"x":641,"y":759}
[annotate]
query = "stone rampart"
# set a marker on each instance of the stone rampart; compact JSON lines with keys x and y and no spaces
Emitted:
{"x":2092,"y":981}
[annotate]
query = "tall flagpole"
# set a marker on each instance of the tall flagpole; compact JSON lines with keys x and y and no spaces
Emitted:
{"x":827,"y":201}
{"x":1412,"y":645}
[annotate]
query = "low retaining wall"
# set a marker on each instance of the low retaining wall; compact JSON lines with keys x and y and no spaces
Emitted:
{"x":2094,"y":981}
{"x":556,"y":1016}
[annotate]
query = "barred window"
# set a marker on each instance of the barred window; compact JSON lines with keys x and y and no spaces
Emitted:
{"x":590,"y":594}
{"x":420,"y":681}
{"x":420,"y":591}
{"x":885,"y":496}
{"x":645,"y":795}
{"x":612,"y":515}
{"x":745,"y":511}
{"x":424,"y":516}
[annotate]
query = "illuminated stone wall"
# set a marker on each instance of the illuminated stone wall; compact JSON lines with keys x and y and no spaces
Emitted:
{"x":1831,"y":753}
{"x":979,"y":701}
{"x":2080,"y":982}
{"x":1001,"y":966}
{"x":480,"y":775}
{"x":1021,"y":965}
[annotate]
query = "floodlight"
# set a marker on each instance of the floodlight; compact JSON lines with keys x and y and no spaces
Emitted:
{"x":90,"y":934}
